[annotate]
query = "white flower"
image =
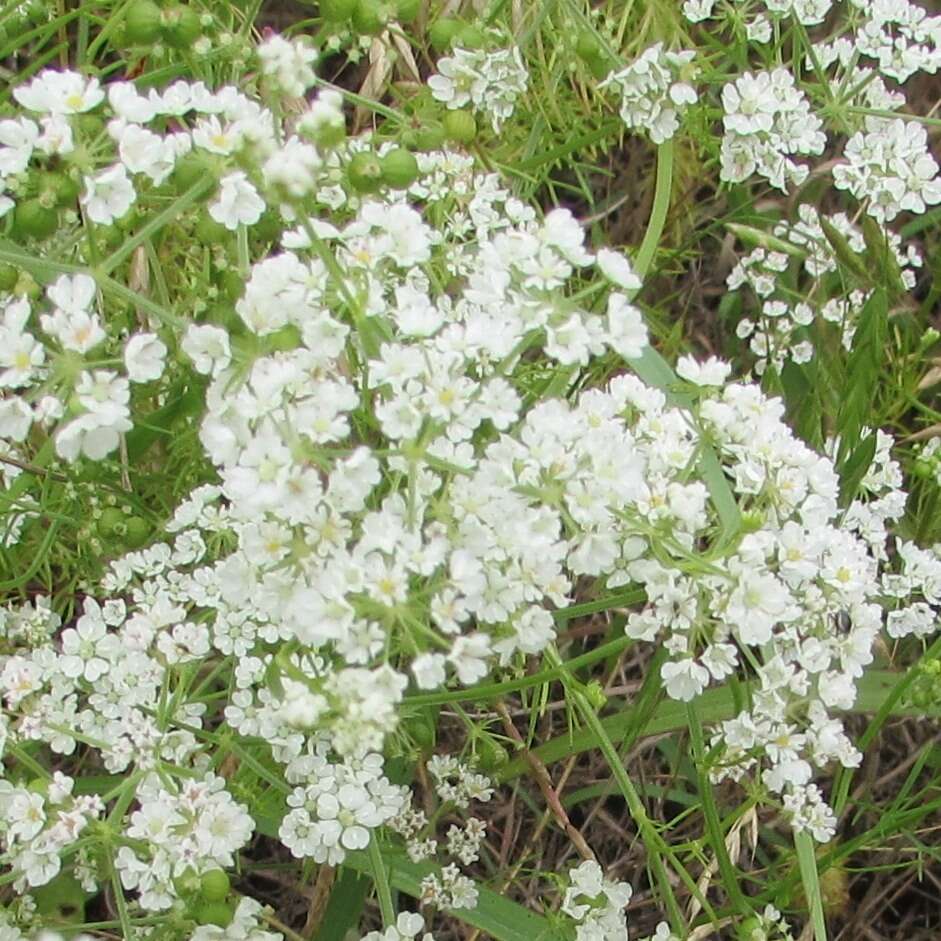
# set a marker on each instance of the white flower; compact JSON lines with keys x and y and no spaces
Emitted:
{"x":108,"y":195}
{"x":684,"y":679}
{"x":713,"y":372}
{"x":64,"y":92}
{"x":616,"y":267}
{"x":238,"y":202}
{"x":652,"y":98}
{"x":208,"y":347}
{"x":627,"y":333}
{"x":288,"y":64}
{"x":143,"y":357}
{"x":72,"y":293}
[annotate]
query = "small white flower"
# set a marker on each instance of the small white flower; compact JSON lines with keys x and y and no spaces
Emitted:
{"x":108,"y":195}
{"x":144,"y":357}
{"x":238,"y":202}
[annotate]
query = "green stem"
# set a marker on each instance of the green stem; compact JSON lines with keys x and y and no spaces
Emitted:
{"x":496,"y":690}
{"x":658,"y":213}
{"x":656,"y":846}
{"x":173,"y":211}
{"x":841,"y":783}
{"x":807,"y":862}
{"x":730,"y":878}
{"x":381,"y":879}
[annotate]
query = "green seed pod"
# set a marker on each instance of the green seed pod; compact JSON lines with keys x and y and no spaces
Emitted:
{"x":187,"y":883}
{"x":213,"y":913}
{"x":442,"y":33}
{"x":138,"y":532}
{"x":58,"y":188}
{"x":587,"y":46}
{"x":470,"y":36}
{"x":37,"y":12}
{"x":28,"y":286}
{"x":490,"y":754}
{"x":269,"y":227}
{"x":285,"y":340}
{"x":750,"y":930}
{"x":460,"y":127}
{"x":210,"y":232}
{"x":189,"y":170}
{"x":336,"y":11}
{"x":370,"y":17}
{"x":430,"y":136}
{"x":8,"y":277}
{"x":214,"y":885}
{"x":232,"y":285}
{"x":406,"y":11}
{"x":364,"y":172}
{"x":31,"y":219}
{"x":110,"y":521}
{"x":399,"y":169}
{"x":142,"y":23}
{"x":600,"y":68}
{"x":180,"y":26}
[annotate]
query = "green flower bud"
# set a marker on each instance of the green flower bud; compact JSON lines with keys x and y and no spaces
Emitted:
{"x":490,"y":754}
{"x":595,"y":694}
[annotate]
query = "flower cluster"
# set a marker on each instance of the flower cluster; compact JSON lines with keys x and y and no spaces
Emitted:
{"x":490,"y":82}
{"x":288,"y":65}
{"x":408,"y":926}
{"x":808,"y":12}
{"x":596,"y":904}
{"x":46,"y":371}
{"x":767,"y":121}
{"x":654,"y":91}
{"x":337,"y":806}
{"x":40,"y":821}
{"x":396,"y":501}
{"x":900,"y":35}
{"x":889,"y":165}
{"x":792,"y":297}
{"x":193,"y":826}
{"x":246,"y":925}
{"x":456,"y":786}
